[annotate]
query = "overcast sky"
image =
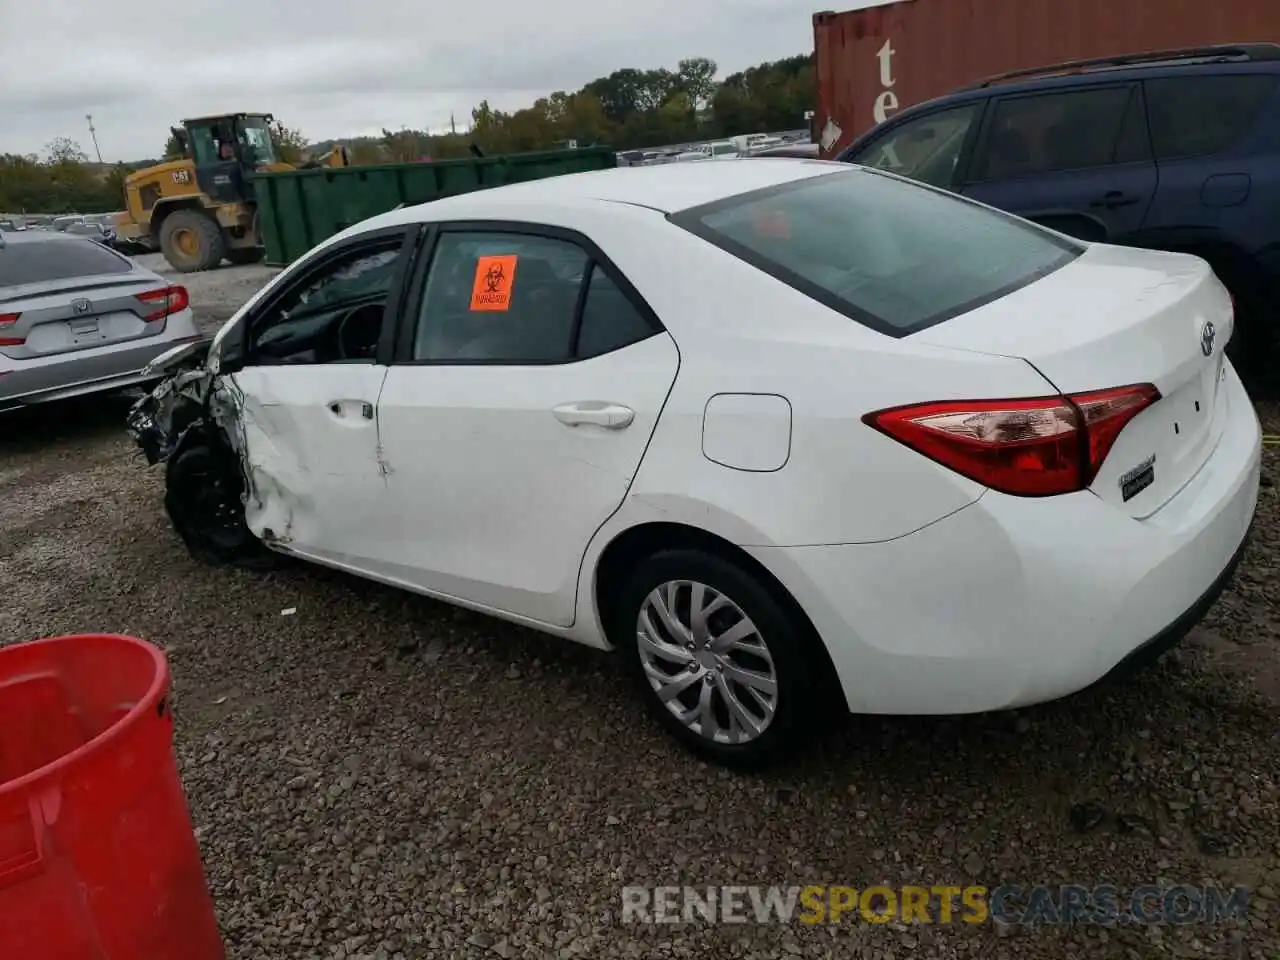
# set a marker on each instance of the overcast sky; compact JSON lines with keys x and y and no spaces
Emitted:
{"x":343,"y":67}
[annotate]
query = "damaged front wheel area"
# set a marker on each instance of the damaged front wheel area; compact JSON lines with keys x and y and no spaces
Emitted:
{"x":203,"y":497}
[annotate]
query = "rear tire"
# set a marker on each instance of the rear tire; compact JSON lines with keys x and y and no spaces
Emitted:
{"x":782,"y":698}
{"x":241,"y":256}
{"x":191,"y":241}
{"x":203,"y":489}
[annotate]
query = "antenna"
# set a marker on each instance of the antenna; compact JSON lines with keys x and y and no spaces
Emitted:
{"x":94,"y":135}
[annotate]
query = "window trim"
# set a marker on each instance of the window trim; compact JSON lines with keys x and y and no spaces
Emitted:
{"x":234,"y":345}
{"x":981,"y":106}
{"x":988,"y":122}
{"x":690,"y":219}
{"x":415,"y":288}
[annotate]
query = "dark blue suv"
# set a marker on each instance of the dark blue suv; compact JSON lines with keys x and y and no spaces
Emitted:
{"x":1173,"y":150}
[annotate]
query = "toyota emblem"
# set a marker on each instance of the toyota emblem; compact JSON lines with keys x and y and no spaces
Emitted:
{"x":1207,"y":336}
{"x":80,"y":305}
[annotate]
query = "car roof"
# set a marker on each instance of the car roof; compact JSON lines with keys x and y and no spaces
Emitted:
{"x":666,"y":188}
{"x":1048,"y":80}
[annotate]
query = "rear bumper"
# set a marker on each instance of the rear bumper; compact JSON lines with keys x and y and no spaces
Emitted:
{"x":38,"y":380}
{"x":1012,"y":601}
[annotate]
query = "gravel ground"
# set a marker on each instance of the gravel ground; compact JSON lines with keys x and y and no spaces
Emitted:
{"x":376,"y":775}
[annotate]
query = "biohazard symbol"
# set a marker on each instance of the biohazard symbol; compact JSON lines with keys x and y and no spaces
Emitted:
{"x":494,"y":279}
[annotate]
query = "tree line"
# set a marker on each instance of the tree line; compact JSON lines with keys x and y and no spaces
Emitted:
{"x":628,"y":109}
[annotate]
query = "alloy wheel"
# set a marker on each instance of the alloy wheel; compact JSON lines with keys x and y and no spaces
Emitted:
{"x":707,"y":662}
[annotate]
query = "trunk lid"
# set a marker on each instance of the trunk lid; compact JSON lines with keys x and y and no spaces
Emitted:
{"x":85,"y":312}
{"x":1114,"y":317}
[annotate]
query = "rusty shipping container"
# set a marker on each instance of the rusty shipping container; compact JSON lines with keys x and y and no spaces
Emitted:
{"x":876,"y":61}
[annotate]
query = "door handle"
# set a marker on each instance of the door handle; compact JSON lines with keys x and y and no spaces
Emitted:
{"x":611,"y":416}
{"x":1114,"y":198}
{"x":339,"y":408}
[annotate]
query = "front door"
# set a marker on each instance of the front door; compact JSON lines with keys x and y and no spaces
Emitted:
{"x":1077,"y":161}
{"x":307,"y":397}
{"x":515,"y":418}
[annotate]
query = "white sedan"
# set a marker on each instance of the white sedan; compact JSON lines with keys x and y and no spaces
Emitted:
{"x":781,"y":433}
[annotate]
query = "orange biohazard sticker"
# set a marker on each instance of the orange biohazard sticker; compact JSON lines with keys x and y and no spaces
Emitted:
{"x":494,"y":278}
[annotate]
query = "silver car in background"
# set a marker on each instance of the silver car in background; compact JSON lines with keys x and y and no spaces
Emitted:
{"x":77,"y":318}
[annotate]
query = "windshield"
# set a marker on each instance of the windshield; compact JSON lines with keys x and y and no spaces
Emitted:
{"x":255,"y":143}
{"x":891,"y":254}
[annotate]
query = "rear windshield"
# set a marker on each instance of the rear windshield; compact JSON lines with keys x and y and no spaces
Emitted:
{"x":894,"y":255}
{"x":39,"y":261}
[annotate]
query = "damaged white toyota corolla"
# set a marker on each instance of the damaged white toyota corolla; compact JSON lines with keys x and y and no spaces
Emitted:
{"x":781,"y":431}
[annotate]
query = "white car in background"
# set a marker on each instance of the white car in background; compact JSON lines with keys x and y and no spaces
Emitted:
{"x":780,"y":432}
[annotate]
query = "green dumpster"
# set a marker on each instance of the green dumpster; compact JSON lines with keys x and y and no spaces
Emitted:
{"x":298,"y":209}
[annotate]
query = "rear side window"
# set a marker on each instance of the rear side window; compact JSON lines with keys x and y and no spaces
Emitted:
{"x":1198,"y":116}
{"x":610,"y":320}
{"x":891,"y":254}
{"x":1046,"y":133}
{"x":42,"y":261}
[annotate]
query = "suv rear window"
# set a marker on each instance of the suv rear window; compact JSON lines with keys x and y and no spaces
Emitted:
{"x":43,"y":260}
{"x":891,"y":254}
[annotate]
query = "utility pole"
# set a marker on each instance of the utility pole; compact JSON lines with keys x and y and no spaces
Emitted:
{"x":453,"y":126}
{"x":94,"y":135}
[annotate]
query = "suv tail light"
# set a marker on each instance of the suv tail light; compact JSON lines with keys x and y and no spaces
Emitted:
{"x":8,"y":320}
{"x":1036,"y":447}
{"x":166,"y":300}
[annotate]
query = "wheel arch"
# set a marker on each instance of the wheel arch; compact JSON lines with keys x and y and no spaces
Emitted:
{"x":635,"y":543}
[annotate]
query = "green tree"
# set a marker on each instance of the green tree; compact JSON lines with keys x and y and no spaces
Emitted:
{"x":64,"y":150}
{"x":173,"y":148}
{"x":291,"y":145}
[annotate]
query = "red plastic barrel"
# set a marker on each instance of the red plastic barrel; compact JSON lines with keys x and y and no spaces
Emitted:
{"x":98,"y":860}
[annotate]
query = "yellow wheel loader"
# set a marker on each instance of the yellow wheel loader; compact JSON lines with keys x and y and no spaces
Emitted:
{"x":199,"y":209}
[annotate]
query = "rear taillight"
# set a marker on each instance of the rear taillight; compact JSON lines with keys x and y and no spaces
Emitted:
{"x":1036,"y":447}
{"x":166,"y":300}
{"x":8,"y":320}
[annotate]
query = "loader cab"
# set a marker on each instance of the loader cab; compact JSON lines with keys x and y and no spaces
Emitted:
{"x":226,"y":151}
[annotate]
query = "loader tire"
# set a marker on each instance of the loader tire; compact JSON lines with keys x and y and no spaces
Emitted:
{"x":240,"y":256}
{"x":191,"y":241}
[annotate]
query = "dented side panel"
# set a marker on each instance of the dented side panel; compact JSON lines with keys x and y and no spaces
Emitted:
{"x":309,"y":440}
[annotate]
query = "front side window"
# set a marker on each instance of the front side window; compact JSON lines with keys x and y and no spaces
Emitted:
{"x":1046,"y":133}
{"x":925,"y":149}
{"x":891,"y":254}
{"x":1199,"y":116}
{"x":204,"y":146}
{"x":333,"y":314}
{"x":256,"y":146}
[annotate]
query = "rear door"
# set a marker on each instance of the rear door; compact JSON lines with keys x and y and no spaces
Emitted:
{"x":1217,"y":143}
{"x":528,"y":382}
{"x":60,"y":296}
{"x":1078,"y":161}
{"x":311,"y":361}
